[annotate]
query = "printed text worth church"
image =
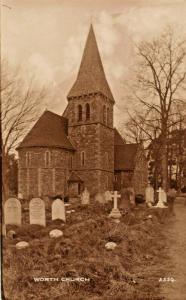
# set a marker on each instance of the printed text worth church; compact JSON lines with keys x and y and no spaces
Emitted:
{"x":61,"y":155}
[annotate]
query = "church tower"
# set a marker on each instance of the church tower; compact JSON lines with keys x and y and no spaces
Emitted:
{"x":90,"y":122}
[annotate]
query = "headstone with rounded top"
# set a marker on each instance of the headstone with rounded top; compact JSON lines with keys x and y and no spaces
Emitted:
{"x":100,"y":197}
{"x":58,"y":210}
{"x":37,"y":212}
{"x":12,"y":212}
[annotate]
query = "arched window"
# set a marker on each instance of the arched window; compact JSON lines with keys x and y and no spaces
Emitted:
{"x":87,"y":111}
{"x":47,"y":159}
{"x":107,"y":116}
{"x":82,"y":158}
{"x":28,"y":159}
{"x":104,"y":114}
{"x":80,"y":113}
{"x":70,"y":161}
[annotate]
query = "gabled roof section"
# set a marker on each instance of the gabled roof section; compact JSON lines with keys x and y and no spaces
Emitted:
{"x":125,"y":157}
{"x":118,"y":139}
{"x":91,"y":76}
{"x":49,"y":131}
{"x":74,"y":177}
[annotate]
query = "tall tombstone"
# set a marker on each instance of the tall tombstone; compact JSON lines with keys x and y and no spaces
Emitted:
{"x":149,"y":195}
{"x":37,"y":212}
{"x":124,"y":202}
{"x":12,"y":212}
{"x":108,"y":196}
{"x":132,"y":196}
{"x":164,"y":196}
{"x":58,"y":210}
{"x":85,"y":197}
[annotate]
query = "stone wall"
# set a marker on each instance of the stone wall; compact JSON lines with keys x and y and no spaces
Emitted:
{"x":35,"y":178}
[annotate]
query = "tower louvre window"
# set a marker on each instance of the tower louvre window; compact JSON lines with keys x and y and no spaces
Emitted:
{"x":87,"y":111}
{"x":80,"y":113}
{"x":82,"y":158}
{"x":47,"y":159}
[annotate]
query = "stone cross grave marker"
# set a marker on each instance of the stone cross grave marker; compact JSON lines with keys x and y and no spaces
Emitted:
{"x":108,"y":196}
{"x":37,"y":212}
{"x":12,"y":212}
{"x":149,"y":195}
{"x":58,"y":210}
{"x":115,"y":213}
{"x":85,"y":197}
{"x":162,"y":198}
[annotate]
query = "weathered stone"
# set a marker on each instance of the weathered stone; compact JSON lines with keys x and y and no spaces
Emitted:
{"x":108,"y":196}
{"x":11,"y":234}
{"x":100,"y":197}
{"x":149,"y":195}
{"x":37,"y":212}
{"x":58,"y":210}
{"x":110,"y":245}
{"x":22,"y":245}
{"x":55,"y":233}
{"x":85,"y":197}
{"x":12,"y":212}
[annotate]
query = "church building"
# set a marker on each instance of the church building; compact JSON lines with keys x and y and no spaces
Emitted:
{"x":61,"y":155}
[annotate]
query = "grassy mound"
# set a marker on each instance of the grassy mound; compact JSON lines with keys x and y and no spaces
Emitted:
{"x":131,"y":271}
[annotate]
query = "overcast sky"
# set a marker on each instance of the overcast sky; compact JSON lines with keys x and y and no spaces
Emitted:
{"x":46,"y":38}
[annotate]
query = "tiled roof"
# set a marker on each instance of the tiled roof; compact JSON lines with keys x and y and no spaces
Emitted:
{"x":74,"y":178}
{"x":118,"y":139}
{"x":91,"y":76}
{"x":125,"y":156}
{"x":49,"y":131}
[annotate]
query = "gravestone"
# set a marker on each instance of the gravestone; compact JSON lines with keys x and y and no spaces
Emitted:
{"x":131,"y":196}
{"x":85,"y":197}
{"x":125,"y":200}
{"x":58,"y":210}
{"x":108,"y":196}
{"x":100,"y":197}
{"x":149,"y":195}
{"x":37,"y":212}
{"x":115,"y":213}
{"x":12,"y":212}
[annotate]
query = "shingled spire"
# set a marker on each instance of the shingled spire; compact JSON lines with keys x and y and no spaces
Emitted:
{"x":91,"y":76}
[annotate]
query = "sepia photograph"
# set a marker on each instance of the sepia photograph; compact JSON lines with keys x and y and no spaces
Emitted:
{"x":93,"y":149}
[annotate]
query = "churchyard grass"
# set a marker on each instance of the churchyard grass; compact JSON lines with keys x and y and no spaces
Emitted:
{"x":131,"y":271}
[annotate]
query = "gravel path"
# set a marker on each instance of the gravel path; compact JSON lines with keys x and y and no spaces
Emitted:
{"x":174,"y":288}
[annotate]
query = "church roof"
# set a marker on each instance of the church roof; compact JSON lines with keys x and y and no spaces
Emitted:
{"x":125,"y":157}
{"x":74,"y":178}
{"x":118,"y":139}
{"x":49,"y":131}
{"x":91,"y":76}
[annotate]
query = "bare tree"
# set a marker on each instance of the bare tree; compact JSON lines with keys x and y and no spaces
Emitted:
{"x":20,"y":104}
{"x":159,"y":88}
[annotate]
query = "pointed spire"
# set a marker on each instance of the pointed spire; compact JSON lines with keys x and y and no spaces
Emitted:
{"x":91,"y":76}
